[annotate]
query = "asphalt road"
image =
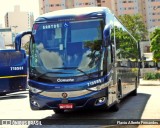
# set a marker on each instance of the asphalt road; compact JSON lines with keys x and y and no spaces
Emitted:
{"x":145,"y":105}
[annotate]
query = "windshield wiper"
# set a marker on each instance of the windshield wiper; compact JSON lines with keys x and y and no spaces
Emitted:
{"x":75,"y":68}
{"x":50,"y":73}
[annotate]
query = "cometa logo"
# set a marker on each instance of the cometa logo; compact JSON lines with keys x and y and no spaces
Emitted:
{"x":65,"y":80}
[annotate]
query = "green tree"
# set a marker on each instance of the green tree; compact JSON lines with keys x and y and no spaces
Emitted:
{"x":134,"y":25}
{"x":26,"y":47}
{"x":126,"y":45}
{"x":155,"y":44}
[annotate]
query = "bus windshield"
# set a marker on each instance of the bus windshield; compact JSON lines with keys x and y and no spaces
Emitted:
{"x":71,"y":48}
{"x":11,"y":58}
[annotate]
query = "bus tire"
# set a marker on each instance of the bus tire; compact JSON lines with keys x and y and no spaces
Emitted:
{"x":58,"y":111}
{"x":115,"y":107}
{"x":134,"y":93}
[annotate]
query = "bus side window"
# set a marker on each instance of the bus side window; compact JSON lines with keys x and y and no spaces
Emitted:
{"x":109,"y":57}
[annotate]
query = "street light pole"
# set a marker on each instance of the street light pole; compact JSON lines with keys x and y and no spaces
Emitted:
{"x":14,"y":33}
{"x":15,"y":29}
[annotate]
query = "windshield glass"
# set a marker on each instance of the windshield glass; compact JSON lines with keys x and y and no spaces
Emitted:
{"x":70,"y":48}
{"x":10,"y":58}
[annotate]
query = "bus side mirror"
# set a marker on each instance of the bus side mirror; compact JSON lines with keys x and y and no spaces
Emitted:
{"x":18,"y":39}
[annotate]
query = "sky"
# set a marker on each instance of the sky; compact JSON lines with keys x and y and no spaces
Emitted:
{"x":25,"y":5}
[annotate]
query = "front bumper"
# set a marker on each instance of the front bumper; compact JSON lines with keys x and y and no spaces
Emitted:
{"x":48,"y":100}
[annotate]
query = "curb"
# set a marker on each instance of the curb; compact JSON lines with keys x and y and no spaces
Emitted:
{"x":149,"y":84}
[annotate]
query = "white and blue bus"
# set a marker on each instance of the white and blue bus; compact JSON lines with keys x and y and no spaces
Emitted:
{"x":80,"y":58}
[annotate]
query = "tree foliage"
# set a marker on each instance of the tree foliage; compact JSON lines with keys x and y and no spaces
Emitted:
{"x":155,"y":44}
{"x":26,"y":47}
{"x":135,"y":25}
{"x":126,"y":45}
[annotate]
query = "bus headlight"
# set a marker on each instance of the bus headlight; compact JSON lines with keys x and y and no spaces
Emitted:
{"x":34,"y":90}
{"x":96,"y":88}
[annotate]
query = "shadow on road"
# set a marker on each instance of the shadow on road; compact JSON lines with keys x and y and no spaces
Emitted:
{"x":130,"y":108}
{"x":11,"y":96}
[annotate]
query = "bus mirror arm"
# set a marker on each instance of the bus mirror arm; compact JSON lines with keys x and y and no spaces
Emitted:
{"x":18,"y":39}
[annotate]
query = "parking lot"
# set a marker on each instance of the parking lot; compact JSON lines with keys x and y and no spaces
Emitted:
{"x":143,"y":106}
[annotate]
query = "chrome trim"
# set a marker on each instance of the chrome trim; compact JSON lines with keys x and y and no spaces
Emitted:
{"x":72,"y":94}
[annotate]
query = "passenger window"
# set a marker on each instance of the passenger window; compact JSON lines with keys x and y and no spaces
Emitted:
{"x":109,"y":57}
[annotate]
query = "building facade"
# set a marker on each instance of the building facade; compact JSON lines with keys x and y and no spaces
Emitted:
{"x":2,"y":46}
{"x":149,"y":9}
{"x":18,"y":21}
{"x":52,"y":5}
{"x":23,"y":20}
{"x":152,"y":13}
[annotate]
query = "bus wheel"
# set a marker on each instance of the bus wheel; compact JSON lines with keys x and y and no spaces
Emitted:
{"x":58,"y":111}
{"x":115,"y":107}
{"x":134,"y":92}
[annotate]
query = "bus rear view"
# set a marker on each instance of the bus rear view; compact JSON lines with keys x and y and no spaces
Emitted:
{"x":13,"y":72}
{"x":72,"y":62}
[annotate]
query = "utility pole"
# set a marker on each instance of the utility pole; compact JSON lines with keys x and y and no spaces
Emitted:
{"x":14,"y":34}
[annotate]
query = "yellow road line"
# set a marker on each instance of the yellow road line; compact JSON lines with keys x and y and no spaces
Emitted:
{"x":1,"y":77}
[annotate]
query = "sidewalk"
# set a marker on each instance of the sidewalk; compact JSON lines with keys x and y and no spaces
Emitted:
{"x":149,"y":82}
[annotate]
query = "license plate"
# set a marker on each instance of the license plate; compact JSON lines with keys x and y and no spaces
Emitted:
{"x":66,"y":106}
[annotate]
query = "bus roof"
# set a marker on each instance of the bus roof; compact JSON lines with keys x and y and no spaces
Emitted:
{"x":71,"y":13}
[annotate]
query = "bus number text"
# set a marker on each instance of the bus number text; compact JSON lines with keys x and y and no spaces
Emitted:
{"x":94,"y":82}
{"x":16,"y":68}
